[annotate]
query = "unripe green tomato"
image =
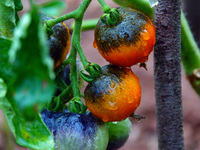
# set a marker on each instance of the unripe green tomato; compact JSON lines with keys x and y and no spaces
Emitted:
{"x":73,"y":131}
{"x":118,"y":133}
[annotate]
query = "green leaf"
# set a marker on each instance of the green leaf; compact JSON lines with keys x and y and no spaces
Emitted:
{"x":33,"y":134}
{"x":5,"y":66}
{"x":18,"y":5}
{"x":32,"y":85}
{"x":53,"y":8}
{"x":3,"y":88}
{"x":5,"y":106}
{"x":7,"y":15}
{"x":5,"y":44}
{"x":140,"y":5}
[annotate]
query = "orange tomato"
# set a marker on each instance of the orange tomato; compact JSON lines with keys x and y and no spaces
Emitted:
{"x":114,"y":95}
{"x":59,"y":43}
{"x":129,"y":41}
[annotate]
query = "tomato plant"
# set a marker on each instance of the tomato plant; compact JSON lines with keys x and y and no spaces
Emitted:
{"x":34,"y":65}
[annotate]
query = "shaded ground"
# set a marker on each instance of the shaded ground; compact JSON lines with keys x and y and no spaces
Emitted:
{"x":143,"y":135}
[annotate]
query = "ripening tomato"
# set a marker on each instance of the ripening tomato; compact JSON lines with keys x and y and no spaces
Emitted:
{"x":58,"y":42}
{"x":114,"y":95}
{"x":127,"y":42}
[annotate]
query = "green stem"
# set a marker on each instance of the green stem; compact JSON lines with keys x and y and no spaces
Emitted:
{"x":76,"y":14}
{"x":76,"y":47}
{"x":88,"y":24}
{"x":190,"y":55}
{"x":75,"y":105}
{"x":73,"y":71}
{"x":60,"y":83}
{"x":190,"y":51}
{"x":66,"y":95}
{"x":105,"y":7}
{"x":52,"y":22}
{"x":82,"y":56}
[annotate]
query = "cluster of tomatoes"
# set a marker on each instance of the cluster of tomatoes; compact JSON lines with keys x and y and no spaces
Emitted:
{"x":116,"y":93}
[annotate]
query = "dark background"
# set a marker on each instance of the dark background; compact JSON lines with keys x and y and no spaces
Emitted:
{"x":143,"y":135}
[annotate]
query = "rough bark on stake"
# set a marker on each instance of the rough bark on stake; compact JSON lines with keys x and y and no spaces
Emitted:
{"x":167,"y":72}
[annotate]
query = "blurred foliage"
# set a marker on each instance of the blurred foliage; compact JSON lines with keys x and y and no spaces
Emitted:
{"x":53,"y":7}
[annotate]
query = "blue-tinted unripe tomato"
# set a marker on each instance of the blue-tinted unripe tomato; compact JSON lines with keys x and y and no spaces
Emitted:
{"x":74,"y":131}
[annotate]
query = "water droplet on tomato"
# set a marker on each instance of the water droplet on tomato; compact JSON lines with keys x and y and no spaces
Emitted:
{"x":111,"y":105}
{"x":94,"y":44}
{"x":145,"y":34}
{"x":105,"y":119}
{"x":89,"y":142}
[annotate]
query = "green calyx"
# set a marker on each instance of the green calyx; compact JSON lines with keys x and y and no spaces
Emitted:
{"x":111,"y":17}
{"x":93,"y":69}
{"x":76,"y":106}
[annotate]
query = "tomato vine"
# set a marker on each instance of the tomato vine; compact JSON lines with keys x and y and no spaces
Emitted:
{"x":25,"y":116}
{"x":92,"y":68}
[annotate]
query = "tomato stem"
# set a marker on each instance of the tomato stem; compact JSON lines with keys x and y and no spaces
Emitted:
{"x":76,"y":14}
{"x":66,"y":95}
{"x":88,"y":24}
{"x":76,"y":47}
{"x":105,"y":7}
{"x":93,"y":69}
